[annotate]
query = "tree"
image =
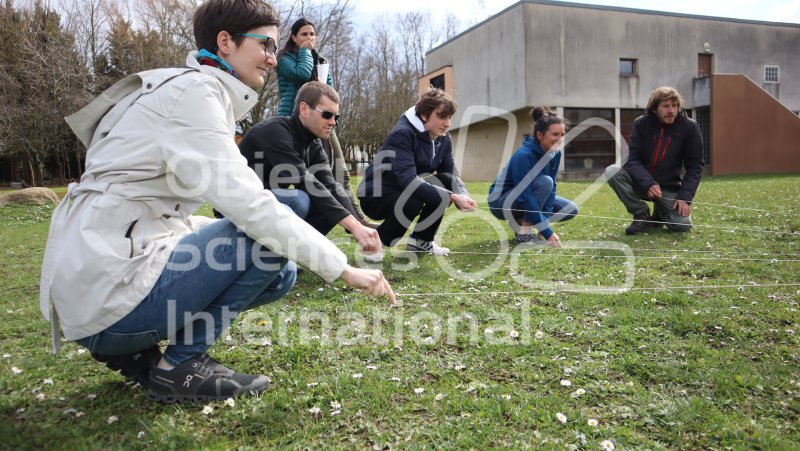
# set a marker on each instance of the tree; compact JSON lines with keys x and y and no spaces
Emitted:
{"x":37,"y":93}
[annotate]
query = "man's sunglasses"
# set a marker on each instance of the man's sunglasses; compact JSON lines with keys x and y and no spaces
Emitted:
{"x":327,"y":115}
{"x":270,"y":47}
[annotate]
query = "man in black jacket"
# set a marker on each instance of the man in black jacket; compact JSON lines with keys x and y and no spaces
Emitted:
{"x":663,"y":141}
{"x":287,"y":151}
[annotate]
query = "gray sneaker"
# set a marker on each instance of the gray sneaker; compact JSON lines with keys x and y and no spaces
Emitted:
{"x":202,"y":378}
{"x":429,"y":247}
{"x":529,"y":239}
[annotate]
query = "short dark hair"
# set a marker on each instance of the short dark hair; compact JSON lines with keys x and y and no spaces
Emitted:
{"x":661,"y":94}
{"x":432,"y":99}
{"x":233,"y":16}
{"x":543,"y":118}
{"x":312,"y":91}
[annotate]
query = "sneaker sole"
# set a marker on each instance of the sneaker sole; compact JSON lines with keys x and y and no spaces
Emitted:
{"x":415,"y":249}
{"x":171,"y":398}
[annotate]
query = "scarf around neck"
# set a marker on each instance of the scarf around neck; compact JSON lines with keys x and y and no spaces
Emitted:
{"x":207,"y":58}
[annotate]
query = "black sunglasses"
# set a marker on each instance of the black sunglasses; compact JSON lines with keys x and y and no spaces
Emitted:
{"x":327,"y":115}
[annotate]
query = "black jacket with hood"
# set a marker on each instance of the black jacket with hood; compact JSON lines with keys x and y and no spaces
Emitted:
{"x":407,"y":155}
{"x":659,"y":151}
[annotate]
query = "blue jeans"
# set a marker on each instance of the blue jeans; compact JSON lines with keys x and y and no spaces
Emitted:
{"x":212,"y":275}
{"x":300,"y":203}
{"x":553,"y":208}
{"x":297,"y":200}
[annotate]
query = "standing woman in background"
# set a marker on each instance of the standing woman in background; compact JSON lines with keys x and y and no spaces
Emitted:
{"x":297,"y":65}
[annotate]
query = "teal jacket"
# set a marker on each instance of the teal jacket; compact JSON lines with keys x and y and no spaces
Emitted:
{"x":294,"y":70}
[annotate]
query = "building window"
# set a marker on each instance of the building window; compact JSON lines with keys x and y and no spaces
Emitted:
{"x":438,"y":81}
{"x":628,"y":67}
{"x":595,"y":148}
{"x":772,"y":74}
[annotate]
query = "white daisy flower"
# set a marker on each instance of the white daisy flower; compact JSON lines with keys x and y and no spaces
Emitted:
{"x":372,"y":367}
{"x":112,"y":419}
{"x":336,"y":405}
{"x":16,"y":370}
{"x":81,"y":351}
{"x":561,"y":417}
{"x":91,"y":397}
{"x":607,"y":445}
{"x":578,"y":393}
{"x":358,"y":376}
{"x":140,"y":435}
{"x":592,"y":422}
{"x":488,"y":331}
{"x":513,"y":334}
{"x":438,"y":397}
{"x":335,"y":412}
{"x":48,"y":381}
{"x":507,"y":397}
{"x":312,"y":384}
{"x":208,"y":410}
{"x":539,"y":334}
{"x":230,"y":402}
{"x":566,"y":383}
{"x":419,"y":390}
{"x":41,"y":397}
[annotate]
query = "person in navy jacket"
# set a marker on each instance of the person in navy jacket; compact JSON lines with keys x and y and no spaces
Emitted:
{"x":414,"y":175}
{"x":524,"y":193}
{"x":664,"y":141}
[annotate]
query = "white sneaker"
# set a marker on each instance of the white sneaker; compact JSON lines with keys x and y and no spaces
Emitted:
{"x":375,"y":257}
{"x":430,"y":247}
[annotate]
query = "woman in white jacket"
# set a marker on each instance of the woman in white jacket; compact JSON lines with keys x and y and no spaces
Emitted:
{"x":126,"y":263}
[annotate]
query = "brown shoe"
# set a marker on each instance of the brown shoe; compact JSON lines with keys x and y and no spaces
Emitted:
{"x":641,"y":223}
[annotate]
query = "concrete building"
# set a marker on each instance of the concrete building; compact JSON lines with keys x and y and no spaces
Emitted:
{"x":740,"y":80}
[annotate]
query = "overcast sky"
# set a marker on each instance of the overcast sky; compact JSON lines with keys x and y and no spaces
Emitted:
{"x":470,"y":12}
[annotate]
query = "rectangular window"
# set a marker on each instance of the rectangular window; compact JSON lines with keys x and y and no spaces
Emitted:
{"x":628,"y":67}
{"x":772,"y":74}
{"x":438,"y":81}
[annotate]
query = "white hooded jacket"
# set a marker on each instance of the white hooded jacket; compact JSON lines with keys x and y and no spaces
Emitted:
{"x":160,"y":144}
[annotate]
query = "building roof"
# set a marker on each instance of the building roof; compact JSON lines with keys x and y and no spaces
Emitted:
{"x":614,"y":8}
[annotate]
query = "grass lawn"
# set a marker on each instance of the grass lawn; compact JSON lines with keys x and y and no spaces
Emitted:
{"x":485,"y":350}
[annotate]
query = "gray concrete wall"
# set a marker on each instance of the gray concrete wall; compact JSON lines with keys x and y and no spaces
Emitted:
{"x":542,"y":53}
{"x":488,"y":65}
{"x":482,"y":149}
{"x":573,"y":54}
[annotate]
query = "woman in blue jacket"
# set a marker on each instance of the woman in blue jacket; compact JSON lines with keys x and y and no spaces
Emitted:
{"x":525,"y":191}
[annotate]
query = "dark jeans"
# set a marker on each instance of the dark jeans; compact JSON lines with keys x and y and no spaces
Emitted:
{"x":398,"y":211}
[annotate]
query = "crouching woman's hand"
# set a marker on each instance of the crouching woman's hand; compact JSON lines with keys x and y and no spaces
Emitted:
{"x":370,"y":281}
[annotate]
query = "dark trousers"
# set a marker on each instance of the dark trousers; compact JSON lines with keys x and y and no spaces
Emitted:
{"x":399,"y":211}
